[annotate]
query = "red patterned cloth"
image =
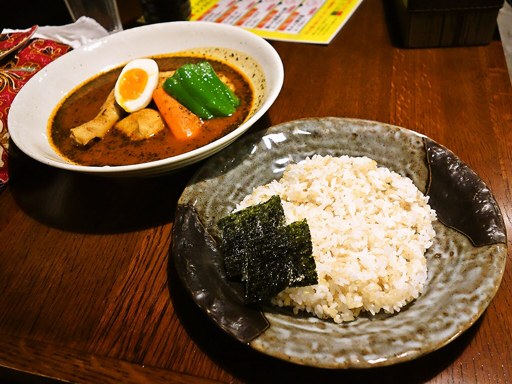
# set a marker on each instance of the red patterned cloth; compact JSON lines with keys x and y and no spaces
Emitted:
{"x":16,"y":68}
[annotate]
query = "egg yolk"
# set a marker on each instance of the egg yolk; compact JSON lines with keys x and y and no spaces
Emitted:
{"x":133,"y":83}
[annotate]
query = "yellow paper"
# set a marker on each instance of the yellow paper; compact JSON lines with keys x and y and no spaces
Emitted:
{"x":310,"y":21}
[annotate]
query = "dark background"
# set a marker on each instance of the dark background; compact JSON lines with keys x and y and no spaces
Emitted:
{"x":21,"y":14}
{"x":26,"y":13}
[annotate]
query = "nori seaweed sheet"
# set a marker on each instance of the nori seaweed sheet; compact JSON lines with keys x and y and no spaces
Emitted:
{"x":267,"y":269}
{"x":241,"y":227}
{"x":266,"y":254}
{"x":300,"y":251}
{"x":282,"y":260}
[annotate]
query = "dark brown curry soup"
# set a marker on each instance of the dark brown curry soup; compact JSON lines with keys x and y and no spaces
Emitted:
{"x":84,"y":103}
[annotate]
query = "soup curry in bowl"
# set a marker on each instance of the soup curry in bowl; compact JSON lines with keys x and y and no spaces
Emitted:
{"x":82,"y":131}
{"x":77,"y":113}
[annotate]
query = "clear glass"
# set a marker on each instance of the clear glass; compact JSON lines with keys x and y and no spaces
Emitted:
{"x":105,"y":12}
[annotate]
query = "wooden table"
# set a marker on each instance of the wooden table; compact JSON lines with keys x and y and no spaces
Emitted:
{"x":88,"y":291}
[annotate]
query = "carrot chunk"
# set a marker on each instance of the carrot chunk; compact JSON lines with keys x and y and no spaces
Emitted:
{"x":183,"y":124}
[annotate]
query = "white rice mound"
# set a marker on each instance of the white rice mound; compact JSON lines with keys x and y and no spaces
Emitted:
{"x":370,"y":228}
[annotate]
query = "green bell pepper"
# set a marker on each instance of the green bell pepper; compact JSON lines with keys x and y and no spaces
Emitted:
{"x":199,"y":89}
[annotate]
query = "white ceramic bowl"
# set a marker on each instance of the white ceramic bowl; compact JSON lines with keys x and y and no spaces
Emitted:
{"x":34,"y":105}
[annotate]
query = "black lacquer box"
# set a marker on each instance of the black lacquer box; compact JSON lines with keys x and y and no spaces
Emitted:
{"x":446,"y":23}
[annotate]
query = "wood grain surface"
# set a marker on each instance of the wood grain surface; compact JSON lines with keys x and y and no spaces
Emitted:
{"x":88,"y":292}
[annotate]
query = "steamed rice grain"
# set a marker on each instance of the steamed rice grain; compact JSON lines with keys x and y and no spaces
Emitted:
{"x":370,"y":228}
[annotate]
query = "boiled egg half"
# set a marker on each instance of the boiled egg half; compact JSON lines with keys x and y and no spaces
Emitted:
{"x":135,"y":85}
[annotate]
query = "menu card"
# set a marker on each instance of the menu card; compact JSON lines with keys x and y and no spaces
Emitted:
{"x":309,"y":21}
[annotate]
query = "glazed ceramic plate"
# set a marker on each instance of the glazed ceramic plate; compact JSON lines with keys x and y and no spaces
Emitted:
{"x":249,"y":53}
{"x":465,"y":263}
